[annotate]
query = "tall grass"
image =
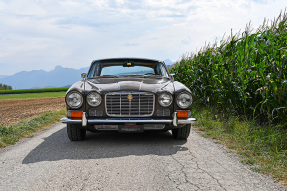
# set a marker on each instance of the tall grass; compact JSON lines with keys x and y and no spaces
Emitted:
{"x":245,"y":75}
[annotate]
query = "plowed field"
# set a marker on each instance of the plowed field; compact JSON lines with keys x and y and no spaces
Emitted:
{"x":13,"y":111}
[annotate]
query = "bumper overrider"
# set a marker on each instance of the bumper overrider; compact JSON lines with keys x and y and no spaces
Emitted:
{"x":175,"y":121}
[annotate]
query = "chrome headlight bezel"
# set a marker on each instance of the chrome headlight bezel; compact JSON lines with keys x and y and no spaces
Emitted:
{"x":74,"y":99}
{"x":165,"y":99}
{"x":181,"y":100}
{"x":94,"y":99}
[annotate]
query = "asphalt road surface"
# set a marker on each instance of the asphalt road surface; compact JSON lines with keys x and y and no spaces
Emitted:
{"x":113,"y":161}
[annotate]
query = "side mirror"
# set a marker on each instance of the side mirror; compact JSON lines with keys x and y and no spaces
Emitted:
{"x":84,"y":75}
{"x":172,"y":76}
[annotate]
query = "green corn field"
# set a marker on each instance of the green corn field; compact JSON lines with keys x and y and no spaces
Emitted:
{"x":244,"y":75}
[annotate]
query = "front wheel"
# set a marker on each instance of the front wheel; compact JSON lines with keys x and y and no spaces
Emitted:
{"x":75,"y":133}
{"x":181,"y":133}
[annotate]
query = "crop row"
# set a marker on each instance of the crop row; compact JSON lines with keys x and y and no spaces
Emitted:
{"x":24,"y":91}
{"x":246,"y":74}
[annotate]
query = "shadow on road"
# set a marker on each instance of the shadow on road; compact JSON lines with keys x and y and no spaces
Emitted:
{"x":104,"y":145}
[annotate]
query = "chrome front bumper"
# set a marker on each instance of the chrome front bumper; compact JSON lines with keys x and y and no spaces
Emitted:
{"x":84,"y":121}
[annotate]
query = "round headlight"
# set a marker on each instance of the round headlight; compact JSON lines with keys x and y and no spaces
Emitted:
{"x":74,"y":99}
{"x":94,"y":99}
{"x":184,"y":100}
{"x":165,"y":99}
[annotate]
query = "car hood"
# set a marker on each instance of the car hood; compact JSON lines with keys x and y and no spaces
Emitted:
{"x":126,"y":84}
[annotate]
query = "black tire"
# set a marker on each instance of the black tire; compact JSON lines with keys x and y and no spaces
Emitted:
{"x":75,"y":133}
{"x":181,"y":133}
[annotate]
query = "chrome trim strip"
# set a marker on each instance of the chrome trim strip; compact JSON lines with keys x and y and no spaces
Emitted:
{"x":67,"y":120}
{"x":187,"y":121}
{"x":165,"y":121}
{"x":114,"y":93}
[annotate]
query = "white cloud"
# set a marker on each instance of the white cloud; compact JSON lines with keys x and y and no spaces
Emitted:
{"x":42,"y":34}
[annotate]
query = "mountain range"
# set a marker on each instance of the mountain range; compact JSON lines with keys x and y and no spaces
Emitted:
{"x":58,"y":77}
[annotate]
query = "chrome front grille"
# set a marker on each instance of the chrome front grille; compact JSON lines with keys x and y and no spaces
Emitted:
{"x":129,"y":104}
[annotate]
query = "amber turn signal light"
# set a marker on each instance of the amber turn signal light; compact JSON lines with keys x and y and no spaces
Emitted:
{"x":182,"y":113}
{"x":76,"y":114}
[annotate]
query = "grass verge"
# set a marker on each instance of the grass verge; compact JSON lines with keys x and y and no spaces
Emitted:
{"x":11,"y":134}
{"x":262,"y":147}
{"x":33,"y":95}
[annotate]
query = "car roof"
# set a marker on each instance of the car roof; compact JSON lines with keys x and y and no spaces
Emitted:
{"x":127,"y":59}
{"x":118,"y":61}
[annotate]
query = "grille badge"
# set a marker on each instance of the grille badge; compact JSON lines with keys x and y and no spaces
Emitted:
{"x":130,"y":97}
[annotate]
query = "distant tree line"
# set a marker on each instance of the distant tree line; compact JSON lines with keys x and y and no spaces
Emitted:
{"x":5,"y":87}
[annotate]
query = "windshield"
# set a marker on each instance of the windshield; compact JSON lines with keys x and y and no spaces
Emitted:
{"x":99,"y":69}
{"x":119,"y":70}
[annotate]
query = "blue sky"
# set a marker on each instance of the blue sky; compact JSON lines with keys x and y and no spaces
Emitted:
{"x":41,"y":34}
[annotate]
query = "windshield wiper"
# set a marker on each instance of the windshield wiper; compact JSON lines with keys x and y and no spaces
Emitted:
{"x":108,"y":76}
{"x":152,"y":75}
{"x":130,"y":75}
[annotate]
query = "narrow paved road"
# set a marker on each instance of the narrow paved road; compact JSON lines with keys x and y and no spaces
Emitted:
{"x":112,"y":161}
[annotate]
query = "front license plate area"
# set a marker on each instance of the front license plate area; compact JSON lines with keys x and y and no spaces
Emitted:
{"x":131,"y":128}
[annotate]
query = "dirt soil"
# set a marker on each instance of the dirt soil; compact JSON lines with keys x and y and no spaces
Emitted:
{"x":16,"y":110}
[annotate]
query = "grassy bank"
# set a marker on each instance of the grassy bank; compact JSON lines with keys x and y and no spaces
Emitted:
{"x":10,"y":135}
{"x":263,"y":147}
{"x":32,"y":95}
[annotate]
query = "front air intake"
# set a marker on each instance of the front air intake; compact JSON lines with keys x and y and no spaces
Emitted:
{"x":129,"y":104}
